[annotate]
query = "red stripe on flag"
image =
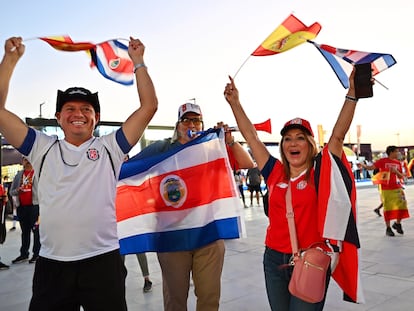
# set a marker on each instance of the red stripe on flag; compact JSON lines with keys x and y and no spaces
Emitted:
{"x":328,"y":48}
{"x":204,"y":184}
{"x":346,"y":275}
{"x":65,"y":43}
{"x":286,"y":36}
{"x":122,"y":65}
{"x":396,"y":214}
{"x":293,"y":24}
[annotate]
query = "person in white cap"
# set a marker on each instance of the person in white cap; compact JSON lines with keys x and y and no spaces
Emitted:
{"x":79,"y":262}
{"x":203,"y":264}
{"x":296,"y":170}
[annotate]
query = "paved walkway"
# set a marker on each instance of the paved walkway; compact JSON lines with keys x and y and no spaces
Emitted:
{"x":387,"y":265}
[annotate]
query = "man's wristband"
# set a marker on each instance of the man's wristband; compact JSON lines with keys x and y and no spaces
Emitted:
{"x":137,"y":66}
{"x":352,"y":99}
{"x":230,"y":144}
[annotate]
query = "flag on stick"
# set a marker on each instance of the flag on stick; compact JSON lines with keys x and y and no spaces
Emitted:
{"x":379,"y":61}
{"x":176,"y":201}
{"x":113,"y":62}
{"x":286,"y":36}
{"x":381,"y":178}
{"x":289,"y":34}
{"x":65,"y":43}
{"x":110,"y":57}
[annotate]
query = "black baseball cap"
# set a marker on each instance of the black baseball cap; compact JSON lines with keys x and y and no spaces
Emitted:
{"x":77,"y":93}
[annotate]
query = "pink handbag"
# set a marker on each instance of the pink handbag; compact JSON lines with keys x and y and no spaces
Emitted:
{"x":310,"y":266}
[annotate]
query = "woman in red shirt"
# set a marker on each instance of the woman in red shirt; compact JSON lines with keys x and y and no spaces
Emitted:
{"x":299,"y":154}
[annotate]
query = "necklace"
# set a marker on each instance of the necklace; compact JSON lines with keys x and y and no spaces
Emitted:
{"x":61,"y":154}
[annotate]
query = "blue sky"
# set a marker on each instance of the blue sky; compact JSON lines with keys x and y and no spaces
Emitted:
{"x":192,"y":46}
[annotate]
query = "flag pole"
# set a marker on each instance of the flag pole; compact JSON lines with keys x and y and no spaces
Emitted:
{"x":24,"y":40}
{"x":241,"y":66}
{"x":353,"y":64}
{"x":381,"y":84}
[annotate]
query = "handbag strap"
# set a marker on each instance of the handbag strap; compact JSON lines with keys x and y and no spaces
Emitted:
{"x":291,"y":221}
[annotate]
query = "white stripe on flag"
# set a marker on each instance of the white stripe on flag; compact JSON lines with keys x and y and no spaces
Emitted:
{"x":214,"y":152}
{"x":339,"y":206}
{"x":380,"y":64}
{"x":182,"y":219}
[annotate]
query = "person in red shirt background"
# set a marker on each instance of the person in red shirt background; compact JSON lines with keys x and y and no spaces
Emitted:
{"x":23,"y":188}
{"x":392,"y":191}
{"x":3,"y":200}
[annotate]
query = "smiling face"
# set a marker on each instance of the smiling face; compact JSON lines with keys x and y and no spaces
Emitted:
{"x":298,"y":151}
{"x":78,"y":121}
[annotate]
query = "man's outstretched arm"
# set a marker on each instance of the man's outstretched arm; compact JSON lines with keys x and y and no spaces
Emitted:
{"x":11,"y":126}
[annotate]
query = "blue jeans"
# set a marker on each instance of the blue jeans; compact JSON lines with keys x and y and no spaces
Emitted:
{"x":277,"y":282}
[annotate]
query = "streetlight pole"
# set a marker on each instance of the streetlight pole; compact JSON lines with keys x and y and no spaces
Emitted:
{"x":358,"y":140}
{"x":40,"y":109}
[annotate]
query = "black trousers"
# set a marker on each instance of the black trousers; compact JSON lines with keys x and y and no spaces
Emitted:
{"x":27,"y":218}
{"x":96,"y":284}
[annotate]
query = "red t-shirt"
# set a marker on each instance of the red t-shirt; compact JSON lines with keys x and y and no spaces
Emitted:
{"x":305,"y":208}
{"x":2,"y":194}
{"x":385,"y":164}
{"x":233,"y":163}
{"x":25,"y":195}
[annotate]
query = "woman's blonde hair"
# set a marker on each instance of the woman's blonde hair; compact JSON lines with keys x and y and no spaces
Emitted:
{"x":313,"y":151}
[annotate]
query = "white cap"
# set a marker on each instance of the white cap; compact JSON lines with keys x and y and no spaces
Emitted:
{"x":188,"y":107}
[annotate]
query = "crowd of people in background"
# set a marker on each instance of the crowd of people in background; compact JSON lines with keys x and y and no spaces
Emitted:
{"x":250,"y":183}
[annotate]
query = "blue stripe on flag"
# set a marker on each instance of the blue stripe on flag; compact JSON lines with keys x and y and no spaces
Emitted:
{"x":138,"y":165}
{"x":336,"y":67}
{"x":389,"y":60}
{"x":181,"y":240}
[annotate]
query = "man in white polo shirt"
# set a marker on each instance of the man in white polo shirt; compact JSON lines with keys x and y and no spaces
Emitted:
{"x":79,"y":262}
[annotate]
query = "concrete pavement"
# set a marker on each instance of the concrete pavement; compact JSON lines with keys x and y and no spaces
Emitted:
{"x":387,"y":265}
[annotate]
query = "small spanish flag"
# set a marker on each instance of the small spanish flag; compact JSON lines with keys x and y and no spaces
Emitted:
{"x":381,"y":178}
{"x":286,"y":36}
{"x":65,"y":43}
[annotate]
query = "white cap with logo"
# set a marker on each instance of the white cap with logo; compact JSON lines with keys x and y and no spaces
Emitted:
{"x":188,"y":107}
